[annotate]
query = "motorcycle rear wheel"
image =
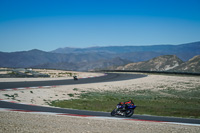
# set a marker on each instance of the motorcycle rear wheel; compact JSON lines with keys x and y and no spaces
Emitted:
{"x":114,"y":112}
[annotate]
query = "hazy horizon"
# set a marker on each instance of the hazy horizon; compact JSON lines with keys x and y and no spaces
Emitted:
{"x":95,"y":47}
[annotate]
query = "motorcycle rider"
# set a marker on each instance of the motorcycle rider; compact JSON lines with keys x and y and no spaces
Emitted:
{"x":124,"y":109}
{"x":126,"y":104}
{"x":75,"y":77}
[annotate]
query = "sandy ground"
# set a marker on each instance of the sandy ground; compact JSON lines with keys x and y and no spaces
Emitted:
{"x":23,"y":122}
{"x":11,"y":122}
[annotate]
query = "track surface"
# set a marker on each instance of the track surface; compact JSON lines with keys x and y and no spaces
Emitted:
{"x":109,"y":77}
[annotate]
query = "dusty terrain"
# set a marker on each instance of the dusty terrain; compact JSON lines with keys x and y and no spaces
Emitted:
{"x":26,"y":122}
{"x":11,"y":122}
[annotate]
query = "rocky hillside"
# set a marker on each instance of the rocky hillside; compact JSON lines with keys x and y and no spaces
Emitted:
{"x":165,"y":63}
{"x":85,"y":66}
{"x":161,"y":63}
{"x":105,"y":64}
{"x":193,"y":65}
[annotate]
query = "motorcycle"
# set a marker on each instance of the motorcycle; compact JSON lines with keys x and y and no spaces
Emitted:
{"x":120,"y":110}
{"x":75,"y":77}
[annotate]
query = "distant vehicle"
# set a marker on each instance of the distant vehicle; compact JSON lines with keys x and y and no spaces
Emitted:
{"x":75,"y":77}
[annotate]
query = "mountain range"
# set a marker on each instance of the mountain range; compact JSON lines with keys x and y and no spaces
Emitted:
{"x":97,"y":58}
{"x":140,"y":53}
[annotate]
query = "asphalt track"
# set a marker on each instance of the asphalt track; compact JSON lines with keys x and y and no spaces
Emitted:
{"x":108,"y":78}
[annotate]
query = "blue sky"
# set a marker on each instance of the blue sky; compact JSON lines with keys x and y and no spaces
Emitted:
{"x":51,"y":24}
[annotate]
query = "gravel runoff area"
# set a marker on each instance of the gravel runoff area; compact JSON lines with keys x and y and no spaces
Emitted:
{"x":15,"y":122}
{"x":27,"y":122}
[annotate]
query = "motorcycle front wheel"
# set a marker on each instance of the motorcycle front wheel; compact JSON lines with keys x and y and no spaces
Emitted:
{"x":129,"y":113}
